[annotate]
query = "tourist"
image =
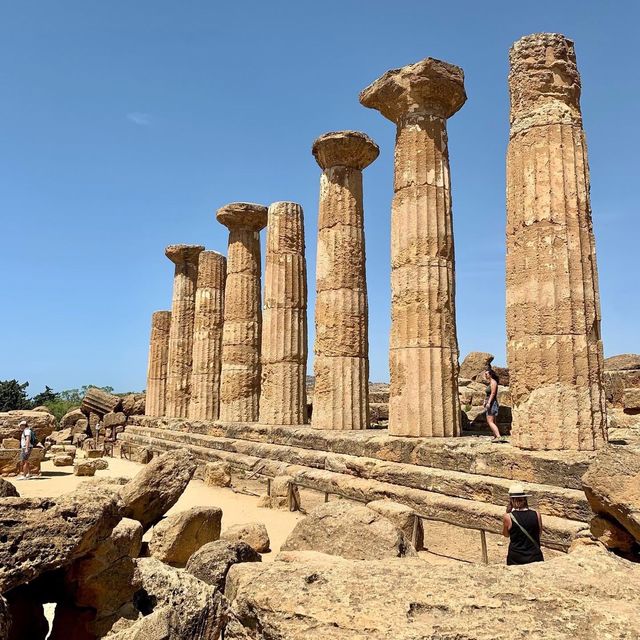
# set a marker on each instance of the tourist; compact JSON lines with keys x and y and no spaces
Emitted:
{"x":523,"y":527}
{"x":27,"y":440}
{"x":491,"y":403}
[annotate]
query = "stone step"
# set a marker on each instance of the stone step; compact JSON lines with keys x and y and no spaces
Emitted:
{"x":460,"y":511}
{"x":556,"y":501}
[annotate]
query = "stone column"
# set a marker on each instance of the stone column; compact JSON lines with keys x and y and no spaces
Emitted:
{"x":423,"y":354}
{"x":554,"y":346}
{"x":185,"y":257}
{"x":341,"y":365}
{"x":240,"y":376}
{"x":207,"y":337}
{"x":157,"y":368}
{"x":283,"y":397}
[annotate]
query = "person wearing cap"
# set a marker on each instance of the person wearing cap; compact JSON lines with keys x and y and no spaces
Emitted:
{"x":26,"y":445}
{"x":523,"y":527}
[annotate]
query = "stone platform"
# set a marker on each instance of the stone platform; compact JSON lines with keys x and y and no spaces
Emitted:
{"x":460,"y":480}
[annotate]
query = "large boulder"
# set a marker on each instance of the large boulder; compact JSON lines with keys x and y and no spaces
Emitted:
{"x":403,"y":517}
{"x":581,"y":596}
{"x":84,"y":468}
{"x":217,"y":474}
{"x":42,"y":534}
{"x":351,"y":531}
{"x":474,"y":364}
{"x":176,"y":537}
{"x":133,"y":404}
{"x":151,"y":493}
{"x":612,"y":486}
{"x":98,"y":402}
{"x":212,"y":562}
{"x":253,"y":533}
{"x":43,"y":423}
{"x":71,"y":418}
{"x":7,"y":489}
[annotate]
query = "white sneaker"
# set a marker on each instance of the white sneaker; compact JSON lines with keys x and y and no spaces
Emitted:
{"x":20,"y":477}
{"x":27,"y":477}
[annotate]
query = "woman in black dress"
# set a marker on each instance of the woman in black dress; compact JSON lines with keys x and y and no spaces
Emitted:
{"x":523,"y":527}
{"x":491,"y":402}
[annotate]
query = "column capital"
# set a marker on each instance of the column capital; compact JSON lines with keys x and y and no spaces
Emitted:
{"x":184,"y":253}
{"x":430,"y":87}
{"x":344,"y":149}
{"x":243,"y":215}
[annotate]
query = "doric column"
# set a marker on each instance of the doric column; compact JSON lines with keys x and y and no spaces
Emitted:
{"x":240,"y":376}
{"x":154,"y":404}
{"x":207,"y":337}
{"x":185,"y":257}
{"x":554,"y":346}
{"x":341,"y":365}
{"x":423,"y":354}
{"x":283,"y":397}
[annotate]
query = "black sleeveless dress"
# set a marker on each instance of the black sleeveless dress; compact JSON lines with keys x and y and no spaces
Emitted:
{"x":521,"y":549}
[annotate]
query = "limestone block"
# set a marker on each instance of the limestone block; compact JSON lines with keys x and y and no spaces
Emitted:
{"x":612,"y":535}
{"x":632,"y":398}
{"x":84,"y":468}
{"x":403,"y":517}
{"x":7,"y":490}
{"x":254,"y":534}
{"x":10,"y":443}
{"x":70,"y":418}
{"x":63,"y":460}
{"x":217,"y":474}
{"x":43,"y":423}
{"x":114,"y":419}
{"x":474,"y":364}
{"x":133,"y":404}
{"x":100,"y":402}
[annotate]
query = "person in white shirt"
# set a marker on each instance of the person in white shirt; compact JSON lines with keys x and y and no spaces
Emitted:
{"x":26,"y":445}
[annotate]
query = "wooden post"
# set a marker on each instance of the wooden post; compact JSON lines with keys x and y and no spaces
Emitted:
{"x":414,"y":533}
{"x":269,"y":487}
{"x":326,"y":496}
{"x":483,"y":540}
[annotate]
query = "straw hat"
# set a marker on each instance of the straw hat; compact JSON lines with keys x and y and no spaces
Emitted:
{"x":517,"y":491}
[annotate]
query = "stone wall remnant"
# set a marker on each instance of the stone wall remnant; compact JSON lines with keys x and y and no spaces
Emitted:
{"x":283,"y":397}
{"x":241,"y":335}
{"x":554,"y":346}
{"x":157,"y":367}
{"x":341,"y":365}
{"x":207,"y":337}
{"x":423,"y":354}
{"x":185,"y":258}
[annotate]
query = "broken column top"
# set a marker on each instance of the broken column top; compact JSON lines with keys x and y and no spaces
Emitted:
{"x":161,"y":320}
{"x":181,"y":253}
{"x":243,"y":215}
{"x":430,"y":86}
{"x":544,"y":78}
{"x":345,"y":148}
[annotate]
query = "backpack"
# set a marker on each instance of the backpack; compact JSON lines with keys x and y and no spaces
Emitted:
{"x":33,"y":438}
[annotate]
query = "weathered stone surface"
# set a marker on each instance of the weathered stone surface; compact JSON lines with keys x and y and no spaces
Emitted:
{"x":42,"y":534}
{"x":8,"y":490}
{"x":622,"y":362}
{"x":212,"y":561}
{"x":240,"y":374}
{"x":254,"y":534}
{"x":424,"y":348}
{"x":133,"y":404}
{"x":632,"y":399}
{"x":284,"y":494}
{"x":84,"y":468}
{"x":474,"y":364}
{"x":43,"y":423}
{"x":156,"y":398}
{"x":176,"y":537}
{"x":155,"y":489}
{"x":10,"y":443}
{"x":341,"y":365}
{"x":284,"y":330}
{"x":612,"y":486}
{"x":351,"y":531}
{"x":99,"y":402}
{"x":43,"y":408}
{"x":70,"y":418}
{"x":114,"y":419}
{"x":554,"y":345}
{"x":611,"y":535}
{"x":403,"y":517}
{"x":207,"y":337}
{"x":100,"y":464}
{"x":217,"y":474}
{"x":179,"y":360}
{"x":10,"y":461}
{"x":63,"y":460}
{"x":407,"y":599}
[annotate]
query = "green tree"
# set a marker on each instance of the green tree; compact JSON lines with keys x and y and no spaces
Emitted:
{"x":44,"y":398}
{"x":13,"y":395}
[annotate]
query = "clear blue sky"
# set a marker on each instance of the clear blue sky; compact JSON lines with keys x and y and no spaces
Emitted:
{"x":125,"y":125}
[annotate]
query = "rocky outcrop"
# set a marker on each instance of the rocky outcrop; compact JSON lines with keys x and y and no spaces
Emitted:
{"x":407,"y":599}
{"x":254,"y":534}
{"x":622,"y":362}
{"x":151,"y":493}
{"x":212,"y":561}
{"x":612,"y":486}
{"x":43,"y":423}
{"x":351,"y":531}
{"x":71,"y":418}
{"x":8,"y":490}
{"x":42,"y":534}
{"x":176,"y":537}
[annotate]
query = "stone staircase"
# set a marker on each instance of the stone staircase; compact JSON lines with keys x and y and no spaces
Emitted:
{"x":463,"y":481}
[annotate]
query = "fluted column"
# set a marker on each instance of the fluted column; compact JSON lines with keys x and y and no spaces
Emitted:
{"x":283,"y":396}
{"x":341,"y":364}
{"x":207,"y":337}
{"x":185,"y":257}
{"x":423,"y":354}
{"x":157,"y":368}
{"x":240,"y":375}
{"x":554,"y":348}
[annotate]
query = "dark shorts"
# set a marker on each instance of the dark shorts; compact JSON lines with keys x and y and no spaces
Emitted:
{"x":493,"y":409}
{"x":24,"y":454}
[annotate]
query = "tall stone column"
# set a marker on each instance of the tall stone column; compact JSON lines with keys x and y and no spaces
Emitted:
{"x":157,"y":368}
{"x":240,"y":376}
{"x":341,"y":365}
{"x":283,"y":396}
{"x":554,"y":348}
{"x":423,"y":354}
{"x":185,"y":257}
{"x":207,"y":337}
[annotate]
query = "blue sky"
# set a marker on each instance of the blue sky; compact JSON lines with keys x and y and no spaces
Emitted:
{"x":125,"y":125}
